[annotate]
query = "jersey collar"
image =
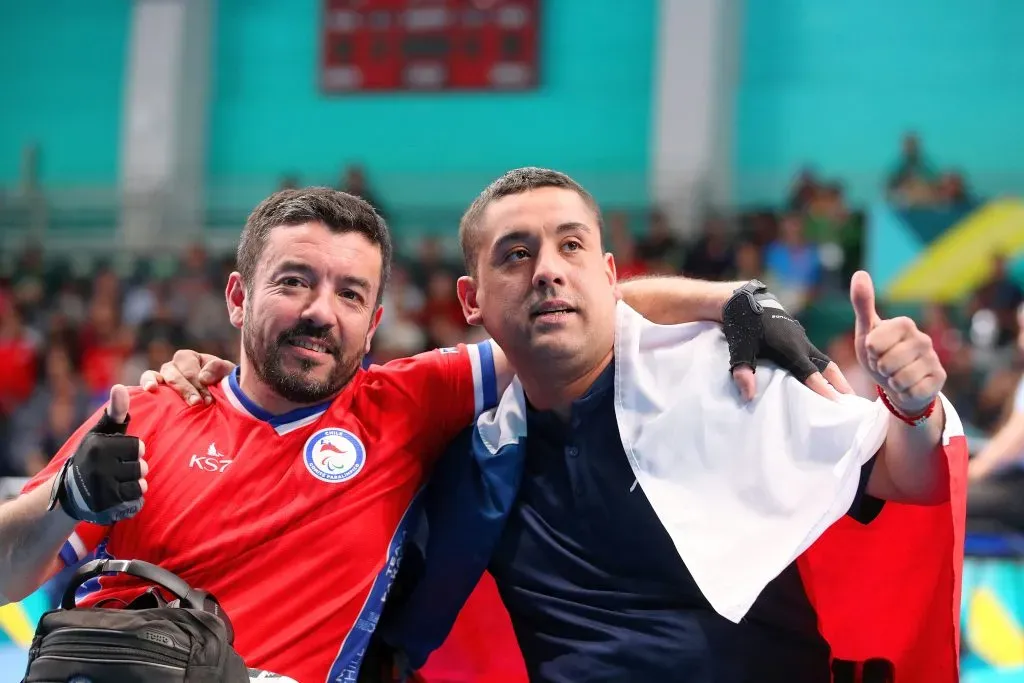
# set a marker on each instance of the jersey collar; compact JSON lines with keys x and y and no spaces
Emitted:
{"x":283,"y":423}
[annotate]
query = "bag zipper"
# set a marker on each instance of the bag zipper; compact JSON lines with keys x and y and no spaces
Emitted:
{"x":169,"y":657}
{"x":130,"y":639}
{"x":96,"y":660}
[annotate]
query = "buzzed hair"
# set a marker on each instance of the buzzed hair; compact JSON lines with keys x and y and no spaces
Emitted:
{"x":513,"y":182}
{"x":338,"y":211}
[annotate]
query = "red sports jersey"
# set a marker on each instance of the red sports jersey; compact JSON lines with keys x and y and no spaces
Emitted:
{"x":294,"y":522}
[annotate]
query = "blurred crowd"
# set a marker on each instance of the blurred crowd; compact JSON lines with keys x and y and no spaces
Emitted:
{"x":65,"y":339}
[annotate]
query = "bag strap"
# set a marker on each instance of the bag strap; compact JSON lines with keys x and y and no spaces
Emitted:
{"x":190,"y":598}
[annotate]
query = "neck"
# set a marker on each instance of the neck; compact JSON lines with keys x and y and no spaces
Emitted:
{"x":556,"y":391}
{"x":264,"y":396}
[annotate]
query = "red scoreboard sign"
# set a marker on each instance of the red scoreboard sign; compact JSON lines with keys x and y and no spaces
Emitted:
{"x":377,"y":45}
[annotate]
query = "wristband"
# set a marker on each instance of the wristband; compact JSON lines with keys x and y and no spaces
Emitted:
{"x":57,"y":491}
{"x":912,"y":420}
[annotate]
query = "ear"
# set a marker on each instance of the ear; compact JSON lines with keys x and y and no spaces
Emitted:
{"x":374,"y":322}
{"x":613,"y":276}
{"x":234,"y":294}
{"x":467,"y":291}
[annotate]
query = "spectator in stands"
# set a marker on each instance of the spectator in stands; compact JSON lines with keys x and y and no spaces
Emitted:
{"x":430,"y":257}
{"x":149,"y":349}
{"x":660,"y":248}
{"x":57,"y":406}
{"x":911,"y":181}
{"x":400,"y":333}
{"x":794,"y":264}
{"x":18,"y":357}
{"x":749,"y":264}
{"x":29,"y":283}
{"x":952,"y":192}
{"x":829,"y":218}
{"x":441,"y":315}
{"x":628,"y":263}
{"x":945,"y":336}
{"x":995,"y":500}
{"x":354,"y":182}
{"x":1002,"y":296}
{"x":105,"y":346}
{"x":804,"y":190}
{"x":140,"y":303}
{"x":712,"y":256}
{"x":953,"y":352}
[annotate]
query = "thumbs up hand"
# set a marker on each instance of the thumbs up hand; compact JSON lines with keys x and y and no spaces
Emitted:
{"x":104,"y":480}
{"x":900,"y":357}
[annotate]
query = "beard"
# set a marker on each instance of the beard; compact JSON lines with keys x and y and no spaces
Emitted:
{"x":267,"y":360}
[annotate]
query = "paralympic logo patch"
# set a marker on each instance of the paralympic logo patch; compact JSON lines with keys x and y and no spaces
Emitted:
{"x":334,"y":455}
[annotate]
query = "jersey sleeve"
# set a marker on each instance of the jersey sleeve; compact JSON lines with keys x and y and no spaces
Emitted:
{"x":450,"y":386}
{"x":146,"y":412}
{"x":1018,"y":397}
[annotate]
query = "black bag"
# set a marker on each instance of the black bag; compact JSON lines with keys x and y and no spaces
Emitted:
{"x":188,"y":640}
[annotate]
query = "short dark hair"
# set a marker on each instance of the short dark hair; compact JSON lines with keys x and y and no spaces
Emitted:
{"x":338,"y":211}
{"x":513,"y":182}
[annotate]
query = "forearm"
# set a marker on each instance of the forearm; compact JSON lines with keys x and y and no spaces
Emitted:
{"x":30,"y":538}
{"x":671,"y":300}
{"x":1005,"y":447}
{"x":915,"y":462}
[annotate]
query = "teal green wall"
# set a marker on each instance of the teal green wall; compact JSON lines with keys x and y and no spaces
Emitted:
{"x":62,"y":68}
{"x":590,"y":116}
{"x":836,"y":84}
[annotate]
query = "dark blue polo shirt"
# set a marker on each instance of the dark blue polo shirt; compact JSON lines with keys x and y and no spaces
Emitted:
{"x":595,"y":587}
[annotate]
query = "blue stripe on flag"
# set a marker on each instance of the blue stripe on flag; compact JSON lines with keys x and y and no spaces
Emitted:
{"x":488,"y":380}
{"x":350,"y":656}
{"x":93,"y":585}
{"x":68,"y":555}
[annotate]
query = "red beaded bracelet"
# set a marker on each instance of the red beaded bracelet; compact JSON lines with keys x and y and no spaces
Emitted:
{"x":913,"y":421}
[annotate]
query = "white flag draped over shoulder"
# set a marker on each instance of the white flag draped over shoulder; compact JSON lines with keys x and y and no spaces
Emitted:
{"x":742,"y":488}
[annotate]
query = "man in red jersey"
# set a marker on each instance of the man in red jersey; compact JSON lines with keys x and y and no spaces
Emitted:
{"x":288,"y":496}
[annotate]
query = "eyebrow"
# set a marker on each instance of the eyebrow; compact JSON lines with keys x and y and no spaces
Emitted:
{"x":292,"y":267}
{"x":304,"y":269}
{"x":519,"y":234}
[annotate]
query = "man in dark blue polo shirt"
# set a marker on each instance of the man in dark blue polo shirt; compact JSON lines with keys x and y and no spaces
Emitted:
{"x":590,"y":577}
{"x":587,"y":570}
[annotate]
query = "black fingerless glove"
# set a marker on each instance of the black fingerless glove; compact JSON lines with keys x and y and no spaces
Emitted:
{"x":100,"y":482}
{"x":757,"y":327}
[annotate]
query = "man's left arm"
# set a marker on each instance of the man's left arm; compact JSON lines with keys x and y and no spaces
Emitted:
{"x":755,"y":324}
{"x":911,"y":466}
{"x":674,"y":300}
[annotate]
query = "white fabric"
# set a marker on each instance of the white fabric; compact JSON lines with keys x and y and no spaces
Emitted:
{"x":742,"y":489}
{"x":1018,"y":398}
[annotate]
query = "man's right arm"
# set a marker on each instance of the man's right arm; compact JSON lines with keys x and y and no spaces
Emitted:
{"x":30,"y":539}
{"x":97,"y":477}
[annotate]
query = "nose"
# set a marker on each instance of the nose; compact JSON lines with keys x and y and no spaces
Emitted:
{"x":550,"y":269}
{"x":320,"y":307}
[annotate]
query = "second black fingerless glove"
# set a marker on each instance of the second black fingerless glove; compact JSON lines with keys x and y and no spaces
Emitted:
{"x":757,"y":326}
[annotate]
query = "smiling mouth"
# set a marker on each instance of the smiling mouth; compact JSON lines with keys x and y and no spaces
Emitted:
{"x":311,"y":345}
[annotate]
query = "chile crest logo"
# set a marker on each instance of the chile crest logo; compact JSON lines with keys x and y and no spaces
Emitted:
{"x":334,"y":455}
